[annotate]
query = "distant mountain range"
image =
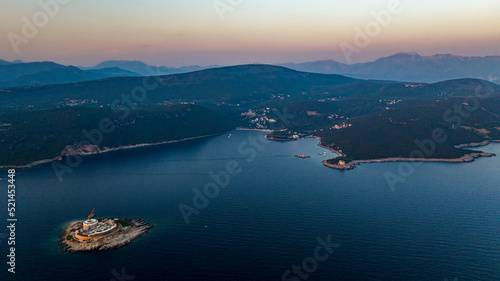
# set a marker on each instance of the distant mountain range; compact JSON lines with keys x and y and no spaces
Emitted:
{"x":406,"y":67}
{"x":19,"y":73}
{"x":410,"y":67}
{"x":148,"y":70}
{"x":45,"y":73}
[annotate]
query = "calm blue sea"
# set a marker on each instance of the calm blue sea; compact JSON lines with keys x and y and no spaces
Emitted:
{"x":442,"y":223}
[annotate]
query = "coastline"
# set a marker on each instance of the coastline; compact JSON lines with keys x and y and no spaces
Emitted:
{"x":348,"y":166}
{"x":467,"y":158}
{"x":249,"y":129}
{"x":320,"y":144}
{"x":331,"y":149}
{"x":126,"y":147}
{"x":475,"y":144}
{"x":464,"y":159}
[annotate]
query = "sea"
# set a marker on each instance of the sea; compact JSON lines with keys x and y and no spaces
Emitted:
{"x":240,"y":207}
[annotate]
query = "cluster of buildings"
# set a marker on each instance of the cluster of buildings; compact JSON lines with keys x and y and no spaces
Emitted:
{"x":335,"y":116}
{"x":259,"y":118}
{"x":341,"y":126}
{"x":415,"y":85}
{"x":69,"y":102}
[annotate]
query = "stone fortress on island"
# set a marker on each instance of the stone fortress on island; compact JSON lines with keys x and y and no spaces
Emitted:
{"x":101,"y":234}
{"x":93,"y":229}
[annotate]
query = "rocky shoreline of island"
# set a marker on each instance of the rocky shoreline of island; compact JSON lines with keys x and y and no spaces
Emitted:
{"x":464,"y":159}
{"x":88,"y":150}
{"x":303,"y":156}
{"x":126,"y":232}
{"x":467,"y":158}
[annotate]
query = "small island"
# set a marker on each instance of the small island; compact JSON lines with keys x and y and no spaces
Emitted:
{"x":302,"y":156}
{"x":102,"y":234}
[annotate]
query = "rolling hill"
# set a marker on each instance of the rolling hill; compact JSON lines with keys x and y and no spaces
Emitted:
{"x":14,"y":70}
{"x":245,"y":84}
{"x":450,"y":88}
{"x":366,"y":129}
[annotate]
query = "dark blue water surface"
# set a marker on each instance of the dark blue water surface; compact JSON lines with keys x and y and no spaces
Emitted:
{"x":442,"y":223}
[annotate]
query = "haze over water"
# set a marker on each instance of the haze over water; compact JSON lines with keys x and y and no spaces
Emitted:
{"x":443,"y":223}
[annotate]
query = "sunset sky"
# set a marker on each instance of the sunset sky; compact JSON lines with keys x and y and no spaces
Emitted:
{"x":187,"y":32}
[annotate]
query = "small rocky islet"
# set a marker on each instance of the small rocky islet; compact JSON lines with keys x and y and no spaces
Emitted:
{"x":102,"y":234}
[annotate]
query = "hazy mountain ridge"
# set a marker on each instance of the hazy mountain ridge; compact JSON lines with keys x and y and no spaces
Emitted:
{"x":148,"y":70}
{"x":18,"y":73}
{"x":45,"y":73}
{"x":411,"y":67}
{"x":4,"y":62}
{"x":114,"y":72}
{"x":407,"y":67}
{"x":12,"y":71}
